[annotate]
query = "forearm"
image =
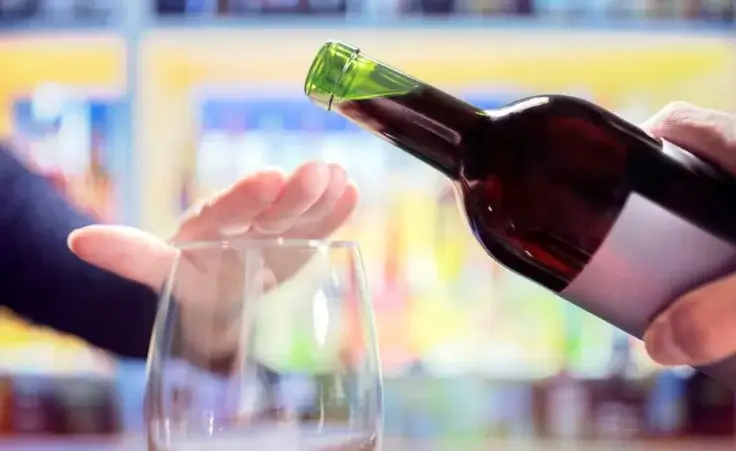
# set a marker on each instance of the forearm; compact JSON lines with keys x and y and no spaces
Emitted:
{"x":46,"y":283}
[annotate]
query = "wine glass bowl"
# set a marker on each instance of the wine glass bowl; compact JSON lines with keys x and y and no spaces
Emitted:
{"x":264,"y":343}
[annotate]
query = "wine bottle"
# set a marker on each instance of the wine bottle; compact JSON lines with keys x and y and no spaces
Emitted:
{"x":556,"y":188}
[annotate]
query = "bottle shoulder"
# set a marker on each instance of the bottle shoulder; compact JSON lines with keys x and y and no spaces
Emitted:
{"x":560,"y":133}
{"x":577,"y":112}
{"x":544,"y":181}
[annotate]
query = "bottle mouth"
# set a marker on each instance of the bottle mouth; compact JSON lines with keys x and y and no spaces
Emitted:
{"x":325,"y":75}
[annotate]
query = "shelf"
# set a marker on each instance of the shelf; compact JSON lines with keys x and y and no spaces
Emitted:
{"x":394,"y":444}
{"x":352,"y":21}
{"x":498,"y":23}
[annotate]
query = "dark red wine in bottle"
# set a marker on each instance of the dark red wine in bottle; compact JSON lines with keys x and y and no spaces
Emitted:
{"x":556,"y":188}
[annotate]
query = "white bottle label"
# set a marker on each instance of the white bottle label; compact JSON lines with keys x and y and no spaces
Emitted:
{"x":649,"y":258}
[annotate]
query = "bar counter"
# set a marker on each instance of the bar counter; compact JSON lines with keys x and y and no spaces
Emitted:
{"x":138,"y":443}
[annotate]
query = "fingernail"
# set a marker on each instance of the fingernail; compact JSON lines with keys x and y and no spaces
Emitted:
{"x":662,"y":345}
{"x":234,"y":230}
{"x":271,"y":227}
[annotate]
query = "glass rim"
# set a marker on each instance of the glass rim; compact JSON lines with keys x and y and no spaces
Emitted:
{"x":260,"y":243}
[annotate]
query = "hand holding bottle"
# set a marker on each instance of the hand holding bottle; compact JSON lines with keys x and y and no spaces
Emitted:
{"x":571,"y":196}
{"x":700,"y":327}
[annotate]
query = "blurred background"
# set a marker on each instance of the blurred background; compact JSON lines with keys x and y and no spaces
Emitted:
{"x":140,"y":108}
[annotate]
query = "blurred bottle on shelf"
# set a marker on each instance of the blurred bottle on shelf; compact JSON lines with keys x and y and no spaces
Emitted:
{"x":172,"y":7}
{"x":496,"y":408}
{"x":718,"y":10}
{"x":19,"y":10}
{"x":131,"y":386}
{"x":90,"y":406}
{"x":432,"y":7}
{"x":666,"y":404}
{"x":552,"y":9}
{"x":524,"y":7}
{"x":710,"y":408}
{"x":689,"y":9}
{"x":517,"y":410}
{"x":577,"y":8}
{"x":571,"y":9}
{"x":566,"y":398}
{"x":192,"y":7}
{"x":487,"y":7}
{"x":32,"y":406}
{"x":327,"y":7}
{"x":312,"y":7}
{"x":6,"y":404}
{"x":617,"y":411}
{"x":84,"y":11}
{"x":627,"y":9}
{"x":663,"y":9}
{"x":464,"y":415}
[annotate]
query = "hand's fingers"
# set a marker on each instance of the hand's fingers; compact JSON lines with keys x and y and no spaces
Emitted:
{"x":144,"y":258}
{"x":284,"y":265}
{"x":705,"y":132}
{"x":698,"y":328}
{"x":303,"y":189}
{"x":342,"y":209}
{"x":125,"y":251}
{"x":335,"y":189}
{"x":233,"y":211}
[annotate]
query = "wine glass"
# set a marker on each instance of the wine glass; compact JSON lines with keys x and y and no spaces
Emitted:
{"x":264,"y":344}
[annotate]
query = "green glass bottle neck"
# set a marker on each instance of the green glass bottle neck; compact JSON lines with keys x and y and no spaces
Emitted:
{"x":427,"y":123}
{"x":341,"y":73}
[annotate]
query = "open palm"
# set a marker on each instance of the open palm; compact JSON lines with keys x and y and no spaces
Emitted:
{"x":311,"y":203}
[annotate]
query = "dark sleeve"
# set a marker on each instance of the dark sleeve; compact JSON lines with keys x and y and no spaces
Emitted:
{"x":44,"y":282}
